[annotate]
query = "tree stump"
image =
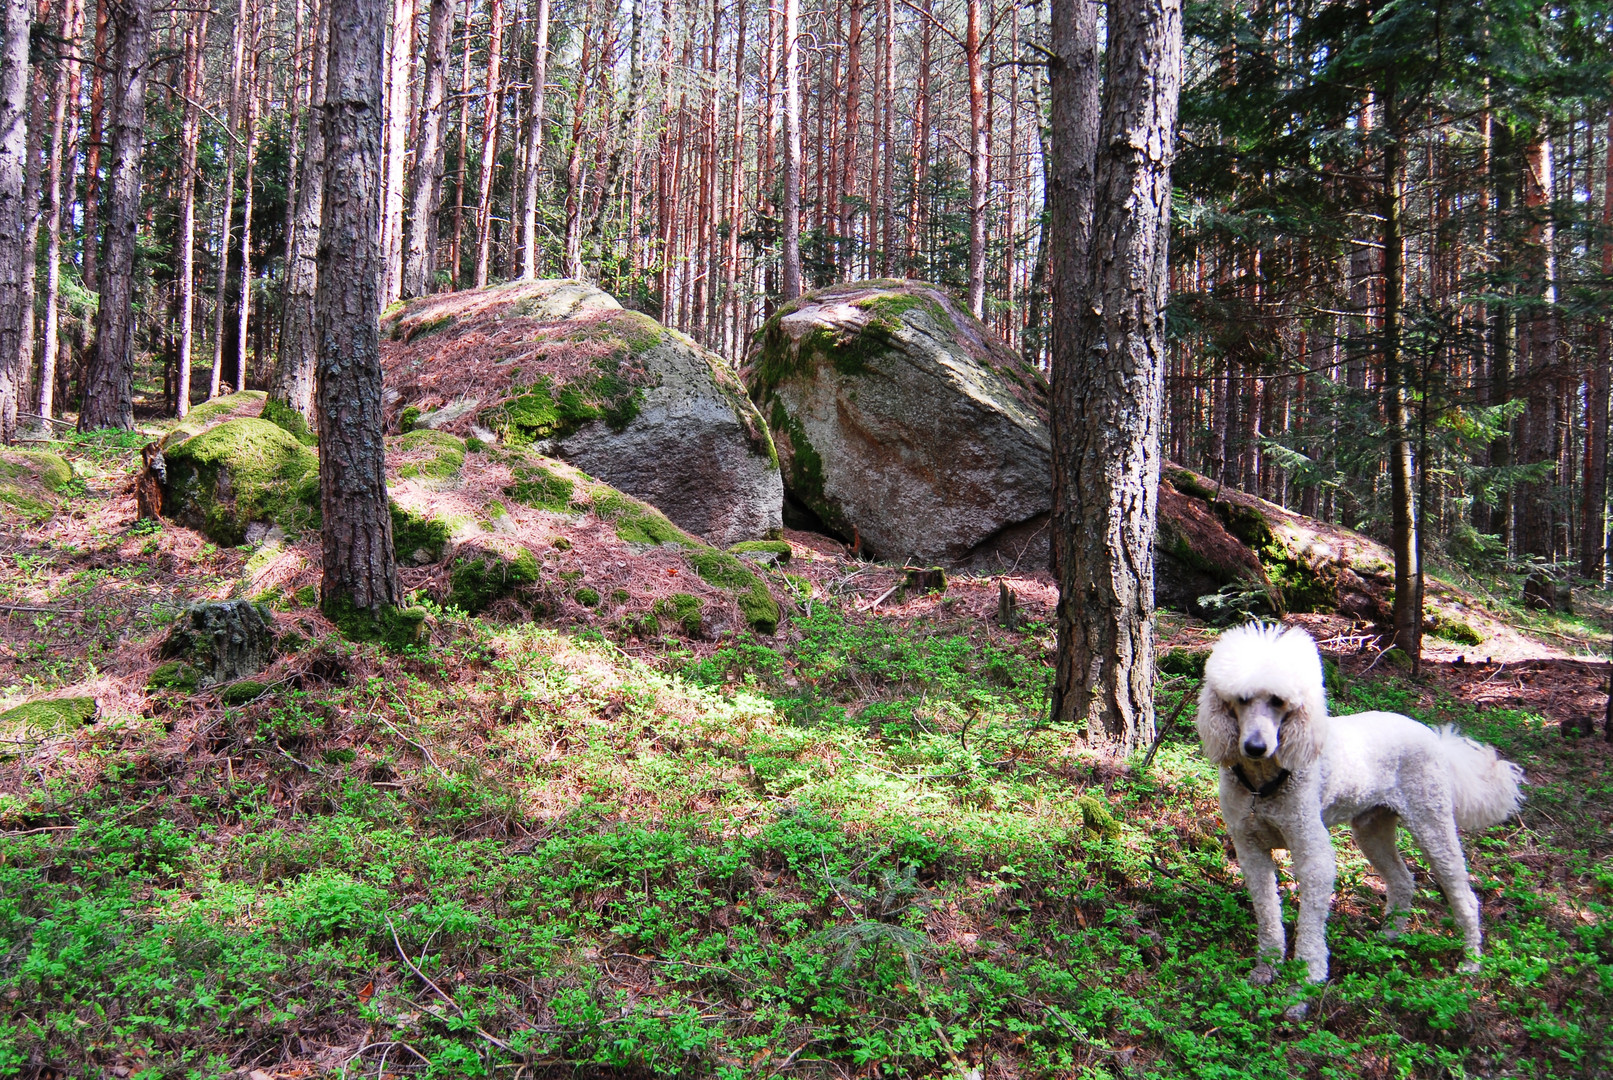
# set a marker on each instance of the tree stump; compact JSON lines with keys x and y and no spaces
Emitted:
{"x":222,"y":641}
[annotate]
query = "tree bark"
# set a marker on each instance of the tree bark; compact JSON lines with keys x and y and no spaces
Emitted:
{"x":359,"y":573}
{"x":227,"y":221}
{"x":420,"y":249}
{"x":1408,"y":620}
{"x":534,"y":147}
{"x":292,"y":384}
{"x":1108,"y":386}
{"x":978,"y":164}
{"x":791,"y":285}
{"x":195,"y":37}
{"x":64,"y":135}
{"x":14,"y":79}
{"x":92,"y":150}
{"x":397,"y":149}
{"x":109,"y":382}
{"x":1593,"y":507}
{"x":1537,"y":351}
{"x":490,"y":133}
{"x":243,"y":322}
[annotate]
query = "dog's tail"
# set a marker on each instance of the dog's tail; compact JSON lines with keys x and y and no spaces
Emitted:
{"x":1483,"y":784}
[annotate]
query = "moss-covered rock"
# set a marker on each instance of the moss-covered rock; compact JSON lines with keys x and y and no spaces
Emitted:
{"x":560,"y":366}
{"x":240,"y":693}
{"x":244,"y":470}
{"x":31,"y":483}
{"x":222,"y":641}
{"x":28,"y":724}
{"x":482,"y":576}
{"x":1096,"y":817}
{"x":683,"y":609}
{"x":418,"y":538}
{"x":430,"y":455}
{"x":173,"y":675}
{"x":284,"y":416}
{"x":540,"y":486}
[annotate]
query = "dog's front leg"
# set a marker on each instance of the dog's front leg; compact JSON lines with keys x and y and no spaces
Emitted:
{"x":1315,"y":869}
{"x":1260,"y":875}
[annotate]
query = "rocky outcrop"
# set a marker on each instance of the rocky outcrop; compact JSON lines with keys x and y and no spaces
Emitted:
{"x":214,"y":643}
{"x":227,"y":477}
{"x":906,"y":427}
{"x":560,"y":366}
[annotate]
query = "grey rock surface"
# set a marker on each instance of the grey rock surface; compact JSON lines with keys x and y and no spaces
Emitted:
{"x":906,"y":427}
{"x":223,"y":640}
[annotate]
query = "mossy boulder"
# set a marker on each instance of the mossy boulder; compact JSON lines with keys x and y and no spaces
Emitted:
{"x":220,"y":642}
{"x":26,"y":726}
{"x":232,"y":474}
{"x":559,"y":366}
{"x":31,"y":483}
{"x":433,"y":457}
{"x":482,"y":576}
{"x":903,"y":425}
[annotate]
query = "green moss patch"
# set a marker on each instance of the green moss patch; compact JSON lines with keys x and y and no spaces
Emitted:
{"x":38,"y":720}
{"x":284,"y":416}
{"x":436,"y":455}
{"x":391,"y":627}
{"x":540,"y":487}
{"x":779,"y":550}
{"x":242,"y":692}
{"x":218,"y":408}
{"x":173,"y":675}
{"x":637,"y":522}
{"x":417,"y":538}
{"x":586,"y":597}
{"x":238,"y":472}
{"x":30,"y":481}
{"x":726,"y":572}
{"x":683,"y":609}
{"x":1454,"y":630}
{"x":482,"y":576}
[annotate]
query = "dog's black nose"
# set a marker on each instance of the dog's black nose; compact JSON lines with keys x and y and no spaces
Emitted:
{"x":1254,"y":747}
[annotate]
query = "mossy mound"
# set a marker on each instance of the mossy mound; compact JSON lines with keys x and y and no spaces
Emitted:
{"x":483,"y":576}
{"x":244,"y":470}
{"x":284,"y":416}
{"x":418,"y":538}
{"x":173,"y":675}
{"x":430,"y":455}
{"x":31,"y":482}
{"x":240,"y":693}
{"x":683,"y":609}
{"x":766,"y":552}
{"x":27,"y":725}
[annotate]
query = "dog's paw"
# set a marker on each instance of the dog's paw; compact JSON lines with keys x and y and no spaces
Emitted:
{"x":1262,"y":975}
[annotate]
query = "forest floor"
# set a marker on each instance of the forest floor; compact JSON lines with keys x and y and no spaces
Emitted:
{"x":853,"y":848}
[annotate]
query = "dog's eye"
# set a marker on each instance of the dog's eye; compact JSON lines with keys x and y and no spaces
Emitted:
{"x":1276,"y":702}
{"x":1244,"y":701}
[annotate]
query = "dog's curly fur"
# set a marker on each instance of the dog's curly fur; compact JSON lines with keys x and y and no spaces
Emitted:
{"x":1263,"y":719}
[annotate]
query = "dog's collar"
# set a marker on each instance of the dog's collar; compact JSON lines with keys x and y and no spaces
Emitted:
{"x":1268,"y":788}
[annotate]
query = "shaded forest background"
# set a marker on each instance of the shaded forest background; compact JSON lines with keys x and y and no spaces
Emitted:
{"x":1378,"y":207}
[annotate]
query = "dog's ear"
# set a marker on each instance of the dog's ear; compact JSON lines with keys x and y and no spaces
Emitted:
{"x":1301,"y":735}
{"x":1218,"y":727}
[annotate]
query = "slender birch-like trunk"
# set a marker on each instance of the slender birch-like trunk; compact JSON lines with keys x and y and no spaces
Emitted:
{"x":14,"y":79}
{"x":791,"y":285}
{"x":63,"y":153}
{"x":490,"y":134}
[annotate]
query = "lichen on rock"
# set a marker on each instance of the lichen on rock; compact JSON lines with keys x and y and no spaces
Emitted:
{"x":221,"y":641}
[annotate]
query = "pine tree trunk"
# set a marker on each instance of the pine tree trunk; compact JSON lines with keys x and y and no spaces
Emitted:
{"x":1537,"y":351}
{"x":419,"y":249}
{"x":195,"y":37}
{"x":359,"y":569}
{"x":397,"y":149}
{"x":490,"y":133}
{"x":791,"y":285}
{"x":227,"y":220}
{"x":1408,"y":620}
{"x":14,"y":78}
{"x":1108,"y":380}
{"x":63,"y":154}
{"x":248,"y":201}
{"x":1593,"y":507}
{"x":534,"y":148}
{"x":92,"y":148}
{"x":109,"y":381}
{"x":33,"y":181}
{"x":977,"y":166}
{"x":292,"y":384}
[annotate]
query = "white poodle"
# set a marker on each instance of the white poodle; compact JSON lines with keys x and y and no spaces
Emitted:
{"x":1289,"y":772}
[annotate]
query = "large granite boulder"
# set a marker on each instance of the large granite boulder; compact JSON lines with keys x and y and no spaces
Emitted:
{"x":904,"y":426}
{"x":560,"y":366}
